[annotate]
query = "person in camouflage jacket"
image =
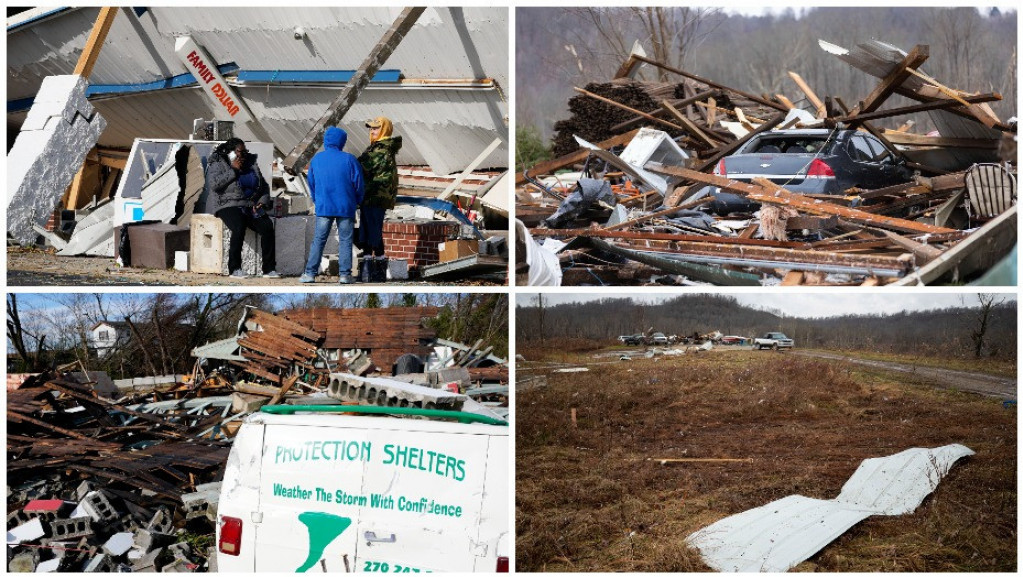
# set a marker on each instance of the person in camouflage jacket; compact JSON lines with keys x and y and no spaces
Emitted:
{"x":381,"y":178}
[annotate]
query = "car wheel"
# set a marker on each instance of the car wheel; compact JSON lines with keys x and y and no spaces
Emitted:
{"x":775,"y":347}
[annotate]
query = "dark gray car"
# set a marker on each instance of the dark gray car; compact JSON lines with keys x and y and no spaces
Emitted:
{"x":809,"y":161}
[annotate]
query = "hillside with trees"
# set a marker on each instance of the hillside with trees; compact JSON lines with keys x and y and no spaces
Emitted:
{"x":558,"y":48}
{"x":952,"y":331}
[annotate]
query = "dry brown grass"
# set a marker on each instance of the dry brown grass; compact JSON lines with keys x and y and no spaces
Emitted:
{"x":587,"y":498}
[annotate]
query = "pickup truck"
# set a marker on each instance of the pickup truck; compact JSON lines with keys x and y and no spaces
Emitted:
{"x":773,"y":341}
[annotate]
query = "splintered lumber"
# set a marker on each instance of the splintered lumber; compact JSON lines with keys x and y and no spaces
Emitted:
{"x":677,"y":103}
{"x":689,"y":125}
{"x":763,"y":194}
{"x":627,"y":108}
{"x":990,"y":240}
{"x":676,"y":239}
{"x":313,"y":140}
{"x":810,"y":94}
{"x":550,"y":166}
{"x":922,"y":140}
{"x":753,"y":97}
{"x":890,"y":83}
{"x":726,"y":150}
{"x":933,"y":105}
{"x":924,"y":253}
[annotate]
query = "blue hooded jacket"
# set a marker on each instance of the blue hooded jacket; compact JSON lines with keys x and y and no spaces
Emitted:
{"x":335,"y":177}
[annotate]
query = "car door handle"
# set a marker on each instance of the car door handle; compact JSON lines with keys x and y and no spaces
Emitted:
{"x":371,"y":537}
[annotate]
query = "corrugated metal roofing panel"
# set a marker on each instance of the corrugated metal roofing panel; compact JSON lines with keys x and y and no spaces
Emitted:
{"x":443,"y":127}
{"x":779,"y":535}
{"x":226,"y":349}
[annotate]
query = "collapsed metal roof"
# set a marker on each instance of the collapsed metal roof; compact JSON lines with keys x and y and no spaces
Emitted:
{"x":779,"y":535}
{"x":448,"y":106}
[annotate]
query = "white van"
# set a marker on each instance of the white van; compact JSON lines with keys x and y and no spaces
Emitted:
{"x":306,"y":490}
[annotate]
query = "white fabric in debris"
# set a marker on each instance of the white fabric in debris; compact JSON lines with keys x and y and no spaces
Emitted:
{"x":544,"y":266}
{"x":778,"y":536}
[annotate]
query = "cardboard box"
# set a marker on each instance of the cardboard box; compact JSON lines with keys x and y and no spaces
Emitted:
{"x":456,"y":249}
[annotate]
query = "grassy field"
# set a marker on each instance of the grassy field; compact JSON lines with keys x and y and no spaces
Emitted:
{"x":999,"y":367}
{"x":594,"y":498}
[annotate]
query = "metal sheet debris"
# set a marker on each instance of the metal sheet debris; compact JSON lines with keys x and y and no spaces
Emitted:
{"x":779,"y":535}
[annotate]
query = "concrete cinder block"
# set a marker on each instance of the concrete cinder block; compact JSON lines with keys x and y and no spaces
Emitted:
{"x":147,"y":562}
{"x":46,"y":156}
{"x":71,"y":528}
{"x":162,"y":521}
{"x":202,"y":503}
{"x":245,"y":403}
{"x":99,"y":508}
{"x":207,"y":244}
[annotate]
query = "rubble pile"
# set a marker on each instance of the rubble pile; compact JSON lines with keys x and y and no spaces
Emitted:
{"x":727,"y":188}
{"x":124,"y":475}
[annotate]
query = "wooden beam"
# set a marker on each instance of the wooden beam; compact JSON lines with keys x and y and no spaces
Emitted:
{"x":689,"y":125}
{"x":753,"y":97}
{"x":376,"y":58}
{"x":922,"y":140}
{"x":810,"y":94}
{"x":933,"y":105}
{"x":450,"y":190}
{"x":890,"y":83}
{"x":549,"y":166}
{"x":762,"y":194}
{"x":677,"y":103}
{"x":94,"y":44}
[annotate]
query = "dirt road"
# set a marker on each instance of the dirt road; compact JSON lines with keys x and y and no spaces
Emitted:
{"x":990,"y":385}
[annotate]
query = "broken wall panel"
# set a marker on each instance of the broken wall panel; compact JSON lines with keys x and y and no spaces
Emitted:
{"x":58,"y":133}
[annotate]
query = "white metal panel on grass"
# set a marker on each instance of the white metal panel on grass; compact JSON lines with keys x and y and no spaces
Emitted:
{"x":781,"y":534}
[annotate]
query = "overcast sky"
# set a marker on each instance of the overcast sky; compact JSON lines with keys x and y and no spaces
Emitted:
{"x":807,"y":305}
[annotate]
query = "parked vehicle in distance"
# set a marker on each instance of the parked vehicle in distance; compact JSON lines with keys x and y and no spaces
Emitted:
{"x":658,"y":339}
{"x":407,"y":491}
{"x":809,"y":161}
{"x":632,"y":339}
{"x":773,"y":341}
{"x":732,"y":340}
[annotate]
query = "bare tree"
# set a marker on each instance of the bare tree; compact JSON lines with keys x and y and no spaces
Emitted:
{"x":988,"y":302}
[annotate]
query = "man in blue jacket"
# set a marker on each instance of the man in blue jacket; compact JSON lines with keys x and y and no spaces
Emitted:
{"x":336,"y":187}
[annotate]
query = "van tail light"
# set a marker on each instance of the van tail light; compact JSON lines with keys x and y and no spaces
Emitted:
{"x":720,"y":168}
{"x":502,"y":565}
{"x":230,"y":536}
{"x":819,"y":169}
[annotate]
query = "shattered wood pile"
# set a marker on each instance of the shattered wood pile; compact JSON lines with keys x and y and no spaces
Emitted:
{"x":96,"y":485}
{"x":385,"y":333}
{"x":950,"y":219}
{"x":277,"y":350}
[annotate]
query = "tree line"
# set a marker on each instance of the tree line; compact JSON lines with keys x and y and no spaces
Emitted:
{"x":557,"y":48}
{"x":163,"y":328}
{"x":983,"y":328}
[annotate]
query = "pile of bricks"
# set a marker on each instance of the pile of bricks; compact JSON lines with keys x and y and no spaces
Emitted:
{"x":416,"y":240}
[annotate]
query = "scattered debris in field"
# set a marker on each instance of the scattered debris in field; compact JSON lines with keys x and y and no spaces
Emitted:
{"x":724,"y":187}
{"x":781,"y":534}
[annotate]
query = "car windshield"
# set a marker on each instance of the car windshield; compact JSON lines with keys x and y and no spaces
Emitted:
{"x":801,"y":144}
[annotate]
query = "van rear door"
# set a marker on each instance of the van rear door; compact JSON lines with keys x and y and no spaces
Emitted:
{"x":426,"y":497}
{"x":310,"y":497}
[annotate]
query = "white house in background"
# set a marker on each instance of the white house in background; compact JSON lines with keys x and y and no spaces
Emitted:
{"x":105,"y":336}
